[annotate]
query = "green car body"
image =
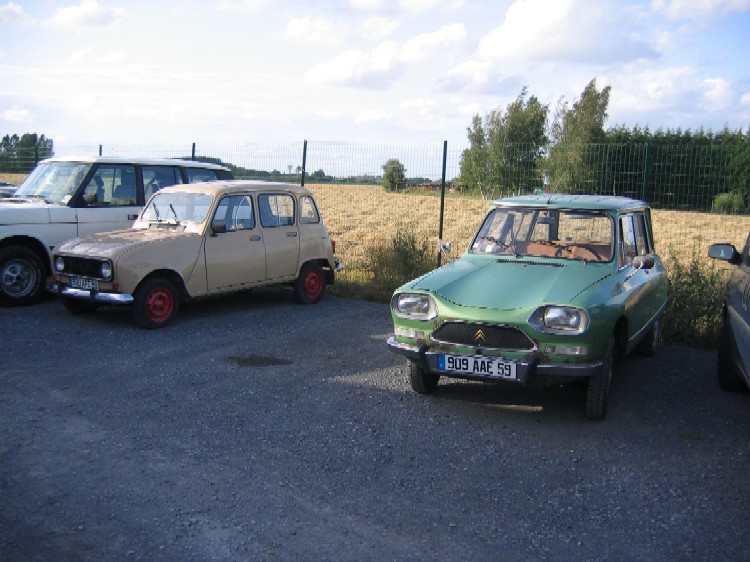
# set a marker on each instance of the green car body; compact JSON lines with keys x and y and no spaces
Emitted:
{"x":552,"y":289}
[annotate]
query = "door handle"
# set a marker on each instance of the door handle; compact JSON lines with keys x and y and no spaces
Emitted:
{"x":254,"y":237}
{"x":291,"y":234}
{"x":132,"y":217}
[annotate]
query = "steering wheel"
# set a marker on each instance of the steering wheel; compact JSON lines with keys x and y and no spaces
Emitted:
{"x":588,"y":247}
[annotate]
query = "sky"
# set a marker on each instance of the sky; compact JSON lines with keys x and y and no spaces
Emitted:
{"x":249,"y":71}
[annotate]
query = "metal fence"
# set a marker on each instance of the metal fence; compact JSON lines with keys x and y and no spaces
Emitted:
{"x":702,"y":180}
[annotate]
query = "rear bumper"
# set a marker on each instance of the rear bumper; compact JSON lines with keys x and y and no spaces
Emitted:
{"x":527,"y":371}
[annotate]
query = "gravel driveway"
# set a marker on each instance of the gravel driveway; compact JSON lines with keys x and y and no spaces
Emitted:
{"x":255,"y":428}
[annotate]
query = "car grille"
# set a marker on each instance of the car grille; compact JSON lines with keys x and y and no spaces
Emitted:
{"x":482,"y":335}
{"x":83,"y":267}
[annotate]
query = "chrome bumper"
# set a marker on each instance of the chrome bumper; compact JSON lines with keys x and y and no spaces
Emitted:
{"x":527,"y":370}
{"x":93,"y":296}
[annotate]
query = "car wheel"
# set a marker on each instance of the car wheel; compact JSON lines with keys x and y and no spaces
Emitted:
{"x":729,"y":378}
{"x":22,"y":276}
{"x":597,"y":393}
{"x":311,"y":284}
{"x":649,"y":345}
{"x":76,"y":306}
{"x":421,"y":382}
{"x":155,"y":303}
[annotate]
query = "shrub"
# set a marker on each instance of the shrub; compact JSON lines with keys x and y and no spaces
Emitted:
{"x":696,"y":292}
{"x":728,"y":203}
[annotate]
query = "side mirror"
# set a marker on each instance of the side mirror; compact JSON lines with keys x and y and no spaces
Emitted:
{"x":644,"y":262}
{"x":218,"y":228}
{"x":444,"y":247}
{"x":725,"y":252}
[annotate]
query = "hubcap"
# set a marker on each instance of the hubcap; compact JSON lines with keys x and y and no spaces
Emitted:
{"x":159,"y":305}
{"x":313,"y":284}
{"x":18,"y":278}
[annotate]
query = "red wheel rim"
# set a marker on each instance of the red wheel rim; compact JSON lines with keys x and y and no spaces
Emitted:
{"x":313,"y":284}
{"x":159,"y":305}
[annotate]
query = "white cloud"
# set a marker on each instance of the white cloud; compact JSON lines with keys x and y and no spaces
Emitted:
{"x":373,"y":116}
{"x":692,"y":9}
{"x":16,"y":115}
{"x":13,"y":14}
{"x":86,"y":14}
{"x":422,"y":46}
{"x":563,"y":30}
{"x":357,"y":68}
{"x":241,"y":5}
{"x":717,"y":93}
{"x":418,"y":6}
{"x":367,"y":5}
{"x":315,"y":30}
{"x":377,"y":28}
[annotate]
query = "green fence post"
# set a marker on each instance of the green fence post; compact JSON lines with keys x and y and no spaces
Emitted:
{"x":442,"y":202}
{"x":304,"y":162}
{"x":646,"y":172}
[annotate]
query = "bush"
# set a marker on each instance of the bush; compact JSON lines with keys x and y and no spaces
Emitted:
{"x":696,"y":292}
{"x":728,"y":203}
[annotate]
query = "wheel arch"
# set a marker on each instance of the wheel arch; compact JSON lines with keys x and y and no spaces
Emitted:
{"x":328,"y":271}
{"x":171,"y":276}
{"x":32,"y":244}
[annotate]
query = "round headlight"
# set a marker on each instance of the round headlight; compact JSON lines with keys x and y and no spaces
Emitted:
{"x":59,"y":263}
{"x":106,"y":270}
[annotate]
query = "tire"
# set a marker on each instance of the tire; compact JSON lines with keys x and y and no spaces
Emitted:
{"x":155,"y":303}
{"x":22,"y":276}
{"x":726,"y":372}
{"x":597,"y":393}
{"x":311,"y":284}
{"x":77,"y":306}
{"x":649,"y":345}
{"x":421,"y":382}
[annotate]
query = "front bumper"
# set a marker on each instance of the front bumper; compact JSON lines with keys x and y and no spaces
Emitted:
{"x":527,"y":371}
{"x":93,"y":296}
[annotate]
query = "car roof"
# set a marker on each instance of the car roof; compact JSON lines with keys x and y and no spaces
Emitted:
{"x":141,"y":161}
{"x":223,"y":187}
{"x":568,"y":201}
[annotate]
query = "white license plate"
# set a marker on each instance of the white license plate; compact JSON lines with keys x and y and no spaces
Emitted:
{"x":493,"y":367}
{"x":85,"y":284}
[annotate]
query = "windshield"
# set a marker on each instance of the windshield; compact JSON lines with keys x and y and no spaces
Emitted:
{"x":564,"y":234}
{"x":177,"y":207}
{"x":55,"y":182}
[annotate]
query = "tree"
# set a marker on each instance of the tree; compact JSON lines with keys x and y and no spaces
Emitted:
{"x":569,"y":166}
{"x":21,"y":154}
{"x":394,"y":174}
{"x":506,"y":148}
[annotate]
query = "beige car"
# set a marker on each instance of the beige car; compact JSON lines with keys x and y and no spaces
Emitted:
{"x":196,"y":240}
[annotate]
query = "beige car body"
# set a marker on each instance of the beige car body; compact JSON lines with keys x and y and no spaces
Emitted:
{"x":209,"y":255}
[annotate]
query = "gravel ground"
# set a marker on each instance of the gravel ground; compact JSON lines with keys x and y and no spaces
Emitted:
{"x":255,"y":428}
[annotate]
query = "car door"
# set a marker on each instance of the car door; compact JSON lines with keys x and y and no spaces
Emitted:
{"x":109,"y":200}
{"x":235,"y":258}
{"x":280,"y":233}
{"x":738,"y":305}
{"x":645,"y":288}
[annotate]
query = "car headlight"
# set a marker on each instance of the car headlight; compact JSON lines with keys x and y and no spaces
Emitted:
{"x":559,"y":320}
{"x":414,"y":306}
{"x":59,"y":264}
{"x":106,"y":270}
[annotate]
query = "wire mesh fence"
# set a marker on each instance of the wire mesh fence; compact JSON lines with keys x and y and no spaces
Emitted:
{"x":701,"y":194}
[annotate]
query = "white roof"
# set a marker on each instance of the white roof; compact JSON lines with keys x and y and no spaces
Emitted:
{"x":136,"y":160}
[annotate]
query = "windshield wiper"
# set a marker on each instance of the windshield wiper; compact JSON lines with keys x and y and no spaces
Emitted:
{"x":176,"y":218}
{"x":156,"y":211}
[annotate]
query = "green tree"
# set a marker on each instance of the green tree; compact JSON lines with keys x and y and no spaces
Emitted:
{"x":21,"y":154}
{"x":505,"y":148}
{"x":574,"y":129}
{"x":394,"y":174}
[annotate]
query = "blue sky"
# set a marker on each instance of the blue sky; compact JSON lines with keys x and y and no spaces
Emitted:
{"x":234,"y":71}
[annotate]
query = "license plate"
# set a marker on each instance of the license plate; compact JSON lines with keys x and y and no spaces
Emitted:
{"x":492,"y":367}
{"x":85,"y":284}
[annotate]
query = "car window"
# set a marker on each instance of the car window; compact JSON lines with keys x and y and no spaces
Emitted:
{"x":236,"y":212}
{"x":198,"y":175}
{"x":746,"y":253}
{"x":177,"y":207}
{"x":111,"y":185}
{"x":308,"y":211}
{"x":276,"y":209}
{"x":156,"y":177}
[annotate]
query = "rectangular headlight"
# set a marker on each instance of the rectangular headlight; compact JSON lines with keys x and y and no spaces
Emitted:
{"x":415,"y":306}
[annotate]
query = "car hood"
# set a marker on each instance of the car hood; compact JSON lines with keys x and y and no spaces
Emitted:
{"x":33,"y":211}
{"x":511,"y":283}
{"x":117,"y":242}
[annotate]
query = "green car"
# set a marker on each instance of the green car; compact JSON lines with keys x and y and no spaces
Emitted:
{"x":552,"y":289}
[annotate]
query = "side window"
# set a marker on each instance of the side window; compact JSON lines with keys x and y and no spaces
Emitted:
{"x":236,"y":212}
{"x":156,"y":177}
{"x":308,"y":212}
{"x":628,"y":247}
{"x":111,"y":185}
{"x":198,"y":175}
{"x":276,"y":210}
{"x":746,"y":253}
{"x":643,"y":246}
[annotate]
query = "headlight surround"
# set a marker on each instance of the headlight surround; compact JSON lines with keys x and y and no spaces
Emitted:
{"x":554,"y":319}
{"x":414,"y":306}
{"x":59,"y":264}
{"x":106,"y":270}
